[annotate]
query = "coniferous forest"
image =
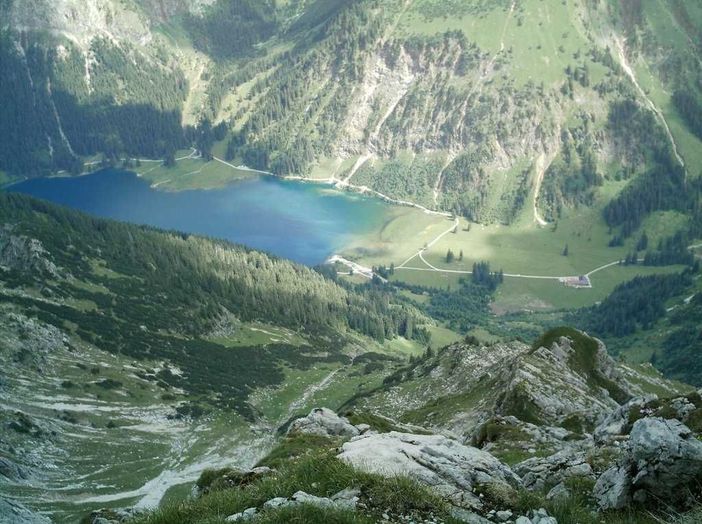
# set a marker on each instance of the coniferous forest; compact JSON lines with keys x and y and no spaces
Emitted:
{"x":52,"y":118}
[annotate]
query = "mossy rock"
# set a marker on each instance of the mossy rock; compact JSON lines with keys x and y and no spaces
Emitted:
{"x":583,"y":360}
{"x":577,"y":424}
{"x":694,"y":421}
{"x":210,"y":476}
{"x":495,"y":430}
{"x":518,"y":404}
{"x":498,"y":496}
{"x":106,"y":514}
{"x":212,"y":480}
{"x":296,"y":446}
{"x":377,"y":423}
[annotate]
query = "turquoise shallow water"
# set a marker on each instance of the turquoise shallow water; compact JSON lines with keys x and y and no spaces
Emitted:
{"x":296,"y":220}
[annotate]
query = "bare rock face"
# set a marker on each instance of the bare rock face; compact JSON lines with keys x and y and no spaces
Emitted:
{"x":228,"y":478}
{"x":343,"y":500}
{"x":667,"y":455}
{"x":324,"y":422}
{"x":446,"y":466}
{"x":663,"y":458}
{"x":113,"y":516}
{"x":555,"y":385}
{"x":569,"y":382}
{"x":165,"y":9}
{"x":80,"y":20}
{"x":11,"y":471}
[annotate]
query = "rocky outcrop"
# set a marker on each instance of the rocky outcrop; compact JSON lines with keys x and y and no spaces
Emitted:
{"x":616,"y":424}
{"x":80,"y":20}
{"x":113,"y":516}
{"x":613,"y":488}
{"x":573,"y":377}
{"x":325,"y":423}
{"x":539,"y":473}
{"x":568,"y":384}
{"x":17,"y":514}
{"x":663,"y":459}
{"x":12,"y":471}
{"x":24,"y":254}
{"x":457,"y":371}
{"x":227,"y":478}
{"x":446,"y":466}
{"x":346,"y":499}
{"x":539,"y":516}
{"x":510,"y":432}
{"x":20,"y":332}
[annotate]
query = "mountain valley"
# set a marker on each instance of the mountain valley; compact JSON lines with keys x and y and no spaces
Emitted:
{"x":378,"y":261}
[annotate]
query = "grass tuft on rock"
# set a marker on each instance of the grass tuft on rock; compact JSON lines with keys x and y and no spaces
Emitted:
{"x":296,"y":446}
{"x":583,"y":359}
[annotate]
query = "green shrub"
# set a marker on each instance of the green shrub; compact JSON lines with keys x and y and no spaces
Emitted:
{"x":573,"y":423}
{"x":378,"y":423}
{"x":294,"y":447}
{"x":208,"y":476}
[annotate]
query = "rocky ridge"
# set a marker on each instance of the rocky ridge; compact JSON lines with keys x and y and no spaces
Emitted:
{"x":631,"y":451}
{"x":565,"y":384}
{"x":651,"y":460}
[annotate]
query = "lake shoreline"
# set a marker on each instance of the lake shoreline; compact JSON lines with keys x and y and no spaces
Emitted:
{"x":290,"y":220}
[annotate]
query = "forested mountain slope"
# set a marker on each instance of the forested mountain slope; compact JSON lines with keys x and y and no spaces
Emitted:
{"x":483,"y":108}
{"x":171,"y":348}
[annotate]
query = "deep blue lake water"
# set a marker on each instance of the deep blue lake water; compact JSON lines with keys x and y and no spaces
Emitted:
{"x":295,"y":220}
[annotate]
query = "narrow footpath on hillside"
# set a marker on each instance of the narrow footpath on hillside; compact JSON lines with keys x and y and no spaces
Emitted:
{"x":541,"y":166}
{"x":624,"y":62}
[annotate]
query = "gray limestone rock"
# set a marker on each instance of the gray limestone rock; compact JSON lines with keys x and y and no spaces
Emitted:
{"x":323,"y":422}
{"x":540,"y":472}
{"x":663,"y":457}
{"x":448,"y":467}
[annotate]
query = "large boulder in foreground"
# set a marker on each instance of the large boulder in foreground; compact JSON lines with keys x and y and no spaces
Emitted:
{"x":325,"y":423}
{"x":446,"y":466}
{"x":617,"y":424}
{"x":663,"y":459}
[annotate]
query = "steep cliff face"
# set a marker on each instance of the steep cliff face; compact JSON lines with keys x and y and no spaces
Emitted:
{"x":79,"y":21}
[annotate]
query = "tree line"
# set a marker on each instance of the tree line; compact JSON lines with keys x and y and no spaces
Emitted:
{"x":633,"y":305}
{"x":205,"y":279}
